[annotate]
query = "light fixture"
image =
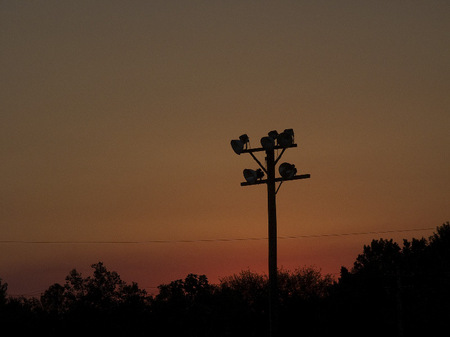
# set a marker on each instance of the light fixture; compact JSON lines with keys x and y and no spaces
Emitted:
{"x":268,"y":143}
{"x":287,"y":171}
{"x":273,"y":134}
{"x":240,"y":144}
{"x":244,"y":138}
{"x":251,"y":176}
{"x":286,"y":138}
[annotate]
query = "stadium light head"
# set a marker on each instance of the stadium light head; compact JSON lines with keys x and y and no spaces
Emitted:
{"x":286,"y":138}
{"x":268,"y":143}
{"x":244,"y":138}
{"x":240,"y":144}
{"x":251,"y":176}
{"x":287,"y":171}
{"x":273,"y":134}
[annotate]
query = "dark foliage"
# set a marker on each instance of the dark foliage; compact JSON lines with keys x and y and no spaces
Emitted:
{"x":391,"y":290}
{"x":183,"y":307}
{"x":396,"y":291}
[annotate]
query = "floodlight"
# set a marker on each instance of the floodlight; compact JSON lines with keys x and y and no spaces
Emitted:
{"x":244,"y":138}
{"x":273,"y":134}
{"x":252,"y":176}
{"x":238,"y":145}
{"x":287,"y":171}
{"x":286,"y":138}
{"x":268,"y":143}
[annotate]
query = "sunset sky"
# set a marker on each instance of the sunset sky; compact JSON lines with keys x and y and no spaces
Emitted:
{"x":116,"y":119}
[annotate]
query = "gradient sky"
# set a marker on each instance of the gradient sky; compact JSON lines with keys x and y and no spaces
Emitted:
{"x":116,"y":119}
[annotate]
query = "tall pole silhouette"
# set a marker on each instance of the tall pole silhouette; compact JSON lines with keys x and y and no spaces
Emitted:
{"x":287,"y":171}
{"x":273,"y":269}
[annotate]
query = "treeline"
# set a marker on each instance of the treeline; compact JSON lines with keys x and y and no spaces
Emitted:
{"x":391,"y":290}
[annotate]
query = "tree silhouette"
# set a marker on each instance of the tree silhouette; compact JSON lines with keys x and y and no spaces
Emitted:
{"x":100,"y":303}
{"x":3,"y":291}
{"x":391,"y":290}
{"x":303,"y":294}
{"x":397,"y":291}
{"x":244,"y":301}
{"x":184,"y":307}
{"x":53,"y":300}
{"x":243,"y":304}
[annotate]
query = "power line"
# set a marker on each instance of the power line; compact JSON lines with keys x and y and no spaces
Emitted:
{"x":306,"y":236}
{"x":355,"y":233}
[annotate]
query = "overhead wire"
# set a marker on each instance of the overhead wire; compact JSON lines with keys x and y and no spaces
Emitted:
{"x":306,"y":236}
{"x":284,"y":237}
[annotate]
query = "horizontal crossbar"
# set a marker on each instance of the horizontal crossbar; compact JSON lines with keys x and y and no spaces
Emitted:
{"x":259,"y":149}
{"x":264,"y":181}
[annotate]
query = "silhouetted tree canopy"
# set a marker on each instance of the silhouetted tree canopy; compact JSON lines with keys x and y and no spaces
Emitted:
{"x":391,"y":290}
{"x":3,"y":289}
{"x":101,"y":303}
{"x":183,"y":307}
{"x":397,"y":290}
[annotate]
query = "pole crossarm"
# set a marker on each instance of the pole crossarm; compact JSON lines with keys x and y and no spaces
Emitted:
{"x":264,"y":181}
{"x":260,"y":149}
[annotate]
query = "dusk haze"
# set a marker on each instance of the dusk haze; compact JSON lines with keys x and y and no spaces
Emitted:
{"x":116,"y":119}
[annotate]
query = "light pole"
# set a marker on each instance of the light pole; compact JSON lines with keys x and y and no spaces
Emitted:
{"x":270,"y":143}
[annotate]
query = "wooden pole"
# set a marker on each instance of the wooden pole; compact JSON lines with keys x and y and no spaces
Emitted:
{"x":273,"y":270}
